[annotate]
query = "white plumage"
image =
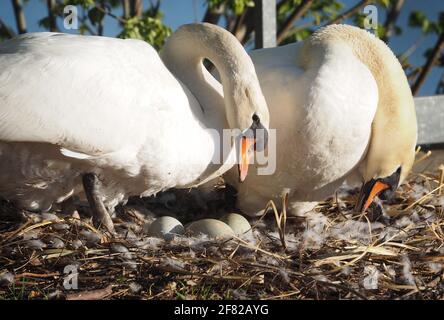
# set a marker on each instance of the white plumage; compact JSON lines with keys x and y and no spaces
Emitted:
{"x":342,"y":108}
{"x":76,"y":104}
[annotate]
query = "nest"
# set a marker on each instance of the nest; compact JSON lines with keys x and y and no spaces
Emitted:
{"x":394,"y":252}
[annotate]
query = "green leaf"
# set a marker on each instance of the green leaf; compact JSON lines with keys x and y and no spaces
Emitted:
{"x":419,"y":19}
{"x":398,"y":30}
{"x":148,"y":28}
{"x":384,"y":3}
{"x":44,"y":23}
{"x":214,"y":4}
{"x":317,"y":17}
{"x":237,"y":7}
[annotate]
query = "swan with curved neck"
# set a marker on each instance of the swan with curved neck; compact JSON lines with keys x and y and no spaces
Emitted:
{"x":349,"y":114}
{"x":184,"y":54}
{"x":231,"y":104}
{"x":129,"y":122}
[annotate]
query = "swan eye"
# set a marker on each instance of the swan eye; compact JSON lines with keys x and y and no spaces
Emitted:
{"x":256,"y":118}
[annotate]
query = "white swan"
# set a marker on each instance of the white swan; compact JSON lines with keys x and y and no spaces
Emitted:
{"x":343,"y":109}
{"x":95,"y":107}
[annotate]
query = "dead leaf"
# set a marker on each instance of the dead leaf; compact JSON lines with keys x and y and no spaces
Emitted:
{"x":91,"y":295}
{"x":191,"y":283}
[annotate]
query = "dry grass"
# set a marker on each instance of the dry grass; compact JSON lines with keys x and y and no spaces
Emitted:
{"x":396,"y":253}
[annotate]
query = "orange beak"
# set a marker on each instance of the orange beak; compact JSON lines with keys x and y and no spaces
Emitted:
{"x":368,"y":193}
{"x":246,"y":146}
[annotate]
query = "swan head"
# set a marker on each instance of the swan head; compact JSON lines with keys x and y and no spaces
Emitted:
{"x":391,"y":151}
{"x":248,"y":112}
{"x":247,"y":102}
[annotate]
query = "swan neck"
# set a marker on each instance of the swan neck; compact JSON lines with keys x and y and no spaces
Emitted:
{"x":185,"y":51}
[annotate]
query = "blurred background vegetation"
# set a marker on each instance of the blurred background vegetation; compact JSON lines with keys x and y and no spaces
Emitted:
{"x":296,"y":20}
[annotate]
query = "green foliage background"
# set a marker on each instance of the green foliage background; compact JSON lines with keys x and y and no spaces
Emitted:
{"x":296,"y":20}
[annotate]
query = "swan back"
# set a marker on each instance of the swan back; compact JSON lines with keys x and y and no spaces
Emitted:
{"x":67,"y":86}
{"x":394,"y":128}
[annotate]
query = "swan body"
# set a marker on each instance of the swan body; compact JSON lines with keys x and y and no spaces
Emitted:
{"x":342,"y":110}
{"x":74,"y":104}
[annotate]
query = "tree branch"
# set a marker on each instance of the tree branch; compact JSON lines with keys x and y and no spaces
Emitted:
{"x":19,"y":16}
{"x":126,"y":9}
{"x":347,"y":14}
{"x":6,"y":30}
{"x":440,"y":87}
{"x":112,"y":15}
{"x":240,"y":27}
{"x":413,"y":74}
{"x":136,"y":8}
{"x":249,"y":26}
{"x":100,"y":23}
{"x":410,"y":50}
{"x":213,"y":16}
{"x":84,"y":21}
{"x":390,"y":21}
{"x":294,"y":16}
{"x":155,"y":6}
{"x":51,"y":16}
{"x":429,"y":64}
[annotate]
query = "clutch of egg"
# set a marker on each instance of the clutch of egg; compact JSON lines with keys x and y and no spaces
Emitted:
{"x":229,"y":225}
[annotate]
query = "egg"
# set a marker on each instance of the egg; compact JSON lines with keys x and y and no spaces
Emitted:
{"x":166,"y":228}
{"x":211,"y":227}
{"x":237,"y":223}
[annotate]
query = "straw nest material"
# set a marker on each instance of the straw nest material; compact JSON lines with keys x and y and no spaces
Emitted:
{"x":394,"y":252}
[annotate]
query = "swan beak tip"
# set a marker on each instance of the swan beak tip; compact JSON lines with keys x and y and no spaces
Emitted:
{"x":368,"y":193}
{"x":246,"y":153}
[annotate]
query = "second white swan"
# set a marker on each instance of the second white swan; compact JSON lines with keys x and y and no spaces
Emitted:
{"x":343,"y":110}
